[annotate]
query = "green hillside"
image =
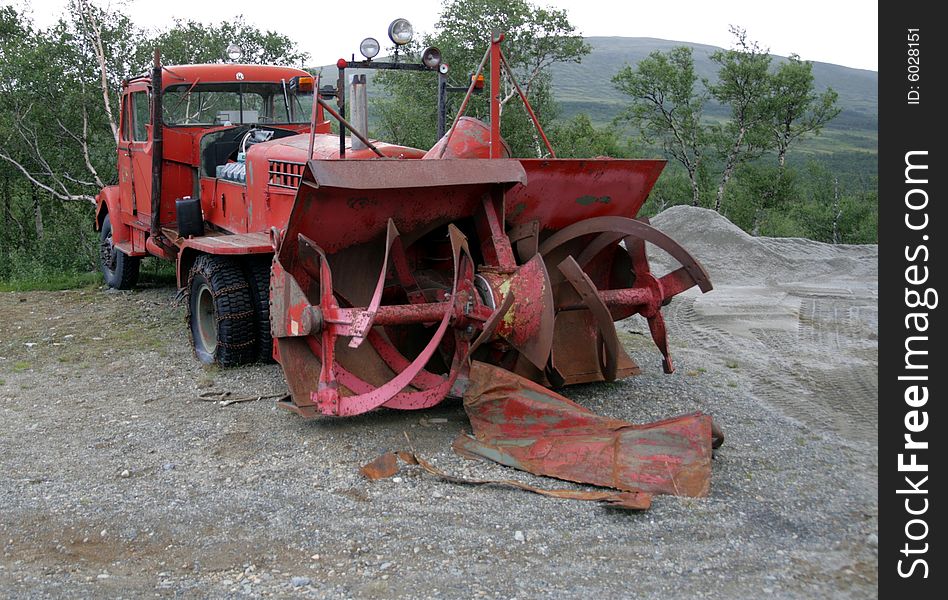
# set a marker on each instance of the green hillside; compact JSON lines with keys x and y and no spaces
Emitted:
{"x":587,"y":87}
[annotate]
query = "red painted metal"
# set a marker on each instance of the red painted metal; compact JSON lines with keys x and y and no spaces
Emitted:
{"x":391,"y":274}
{"x":522,"y":306}
{"x":472,"y":141}
{"x":526,"y":105}
{"x":496,"y":38}
{"x":523,"y":425}
{"x":561,"y":192}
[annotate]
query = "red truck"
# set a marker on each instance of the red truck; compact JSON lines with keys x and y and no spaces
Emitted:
{"x":375,"y":273}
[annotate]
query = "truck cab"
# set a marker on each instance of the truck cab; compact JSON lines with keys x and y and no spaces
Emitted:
{"x":210,"y":115}
{"x":195,"y":155}
{"x":206,"y":167}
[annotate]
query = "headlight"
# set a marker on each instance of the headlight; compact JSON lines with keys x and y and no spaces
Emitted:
{"x":369,"y":48}
{"x":431,"y":57}
{"x":234,"y":52}
{"x":400,"y":31}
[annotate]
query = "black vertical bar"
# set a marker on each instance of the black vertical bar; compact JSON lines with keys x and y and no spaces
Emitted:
{"x":341,"y":103}
{"x":912,"y":272}
{"x":157,"y":144}
{"x":442,"y":102}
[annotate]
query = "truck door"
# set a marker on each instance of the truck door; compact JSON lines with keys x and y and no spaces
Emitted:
{"x":134,"y":153}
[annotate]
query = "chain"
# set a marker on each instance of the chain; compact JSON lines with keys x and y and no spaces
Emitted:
{"x":235,"y":316}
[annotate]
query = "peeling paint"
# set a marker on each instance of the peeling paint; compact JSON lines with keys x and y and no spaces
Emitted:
{"x":588,"y":200}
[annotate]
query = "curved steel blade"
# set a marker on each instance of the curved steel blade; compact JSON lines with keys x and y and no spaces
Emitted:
{"x":607,"y":340}
{"x":528,"y":324}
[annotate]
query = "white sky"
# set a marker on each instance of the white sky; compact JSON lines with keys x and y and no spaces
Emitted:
{"x":837,"y":31}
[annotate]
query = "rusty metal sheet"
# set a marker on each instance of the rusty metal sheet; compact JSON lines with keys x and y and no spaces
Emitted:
{"x":382,"y":467}
{"x":387,"y":465}
{"x":418,"y":196}
{"x":469,"y":138}
{"x":523,"y":425}
{"x":528,"y":324}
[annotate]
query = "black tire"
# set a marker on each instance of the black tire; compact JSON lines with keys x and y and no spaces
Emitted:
{"x":220,"y":312}
{"x":119,"y":270}
{"x":258,"y":274}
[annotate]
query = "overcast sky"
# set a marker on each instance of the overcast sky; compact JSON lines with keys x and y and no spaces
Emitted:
{"x":836,"y":31}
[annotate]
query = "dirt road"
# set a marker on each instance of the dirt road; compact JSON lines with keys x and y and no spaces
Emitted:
{"x":117,"y":479}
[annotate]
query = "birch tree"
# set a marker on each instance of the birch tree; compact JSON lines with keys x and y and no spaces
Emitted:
{"x":667,"y":109}
{"x":744,"y":86}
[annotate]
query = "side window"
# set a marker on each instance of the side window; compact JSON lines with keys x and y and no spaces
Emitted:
{"x":126,"y":119}
{"x":142,"y":116}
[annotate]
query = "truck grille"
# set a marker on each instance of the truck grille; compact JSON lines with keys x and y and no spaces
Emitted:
{"x":286,"y":174}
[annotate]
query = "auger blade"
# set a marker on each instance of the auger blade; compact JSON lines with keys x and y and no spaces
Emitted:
{"x":372,"y":279}
{"x":528,"y":324}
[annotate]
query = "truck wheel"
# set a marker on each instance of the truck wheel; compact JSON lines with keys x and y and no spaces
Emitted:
{"x":119,"y":269}
{"x":258,"y":273}
{"x":220,"y":312}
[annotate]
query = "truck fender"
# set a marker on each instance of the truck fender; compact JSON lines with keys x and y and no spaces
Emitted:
{"x":108,"y":202}
{"x":186,"y":258}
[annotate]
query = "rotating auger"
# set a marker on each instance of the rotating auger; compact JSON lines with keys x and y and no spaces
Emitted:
{"x":393,"y":275}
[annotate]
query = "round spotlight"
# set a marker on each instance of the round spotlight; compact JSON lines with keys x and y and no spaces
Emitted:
{"x":234,"y":52}
{"x":400,"y":32}
{"x":431,"y":57}
{"x":369,"y":48}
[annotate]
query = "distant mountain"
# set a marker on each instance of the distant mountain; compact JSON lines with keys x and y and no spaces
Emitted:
{"x":587,"y":87}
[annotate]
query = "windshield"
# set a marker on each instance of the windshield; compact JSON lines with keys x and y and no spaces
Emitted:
{"x":235,"y":103}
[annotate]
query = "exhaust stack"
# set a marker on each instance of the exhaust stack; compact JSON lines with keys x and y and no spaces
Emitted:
{"x":359,"y":111}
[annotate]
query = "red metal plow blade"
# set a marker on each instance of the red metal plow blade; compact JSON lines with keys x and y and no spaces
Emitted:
{"x":524,"y":425}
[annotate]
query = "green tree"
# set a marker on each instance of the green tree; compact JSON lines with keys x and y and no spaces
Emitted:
{"x":192,"y":42}
{"x":59,"y":93}
{"x":579,"y":138}
{"x":666,"y":109}
{"x":535,"y":38}
{"x":671,"y":189}
{"x":797,"y":110}
{"x":744,"y":86}
{"x":761,"y":197}
{"x":831,"y":210}
{"x":57,"y":144}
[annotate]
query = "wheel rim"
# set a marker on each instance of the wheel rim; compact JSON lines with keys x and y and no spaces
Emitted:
{"x":206,"y":319}
{"x":107,"y":253}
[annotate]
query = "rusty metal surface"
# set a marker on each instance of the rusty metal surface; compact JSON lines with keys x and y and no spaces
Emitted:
{"x":556,"y":326}
{"x":468,"y":138}
{"x":559,"y":257}
{"x":523,"y":425}
{"x":607,"y":340}
{"x":239,"y":243}
{"x":387,"y":465}
{"x":528,"y":324}
{"x":639,"y":230}
{"x":560,"y":192}
{"x":382,"y":467}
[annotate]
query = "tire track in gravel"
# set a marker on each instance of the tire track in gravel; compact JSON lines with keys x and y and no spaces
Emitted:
{"x":820,"y":374}
{"x":796,"y":319}
{"x":833,"y":325}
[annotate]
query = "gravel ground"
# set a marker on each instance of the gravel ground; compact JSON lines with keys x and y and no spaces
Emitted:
{"x":117,"y":480}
